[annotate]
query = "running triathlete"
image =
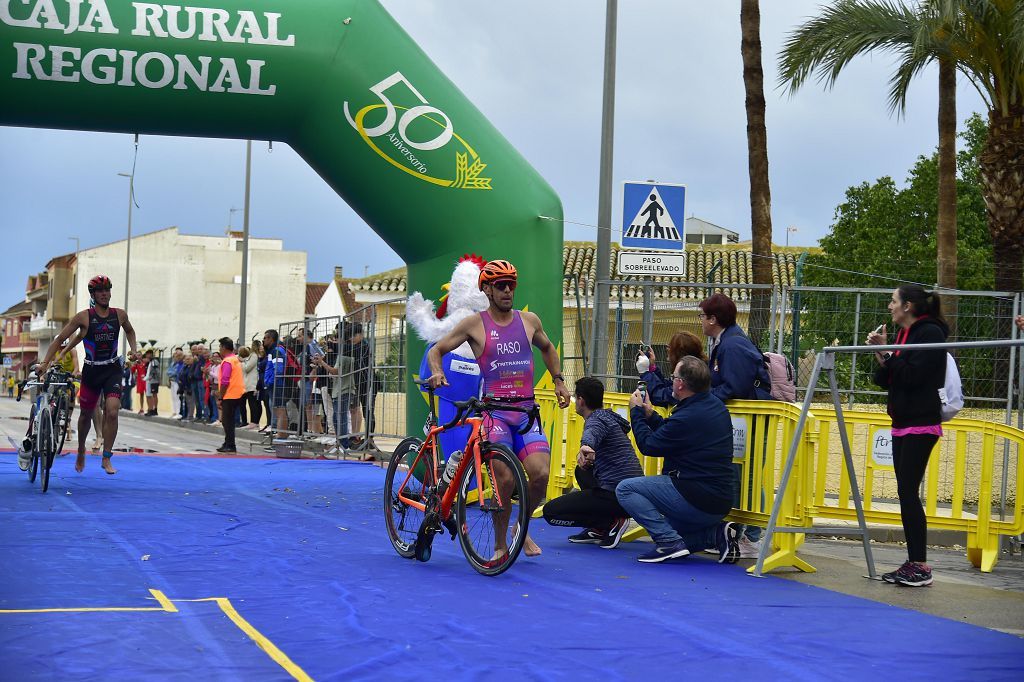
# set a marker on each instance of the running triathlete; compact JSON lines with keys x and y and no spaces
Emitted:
{"x":501,"y":340}
{"x":98,"y":329}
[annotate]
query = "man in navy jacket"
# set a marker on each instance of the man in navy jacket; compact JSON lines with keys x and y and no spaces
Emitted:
{"x":683,"y":508}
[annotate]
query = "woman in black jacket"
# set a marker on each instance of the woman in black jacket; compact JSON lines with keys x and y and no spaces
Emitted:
{"x":913,"y":379}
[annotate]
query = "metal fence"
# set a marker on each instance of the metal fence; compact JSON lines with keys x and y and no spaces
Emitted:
{"x":800,"y":320}
{"x":344,"y":381}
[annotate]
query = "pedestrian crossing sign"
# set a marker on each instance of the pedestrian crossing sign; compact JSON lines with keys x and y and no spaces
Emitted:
{"x":653,"y":216}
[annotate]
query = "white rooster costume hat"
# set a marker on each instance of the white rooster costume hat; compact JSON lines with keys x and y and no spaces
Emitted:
{"x":463,"y":298}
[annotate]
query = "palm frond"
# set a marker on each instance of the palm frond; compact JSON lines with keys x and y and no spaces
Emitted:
{"x":824,"y":45}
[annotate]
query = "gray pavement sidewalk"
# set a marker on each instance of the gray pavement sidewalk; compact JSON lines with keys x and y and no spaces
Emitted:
{"x":960,"y":591}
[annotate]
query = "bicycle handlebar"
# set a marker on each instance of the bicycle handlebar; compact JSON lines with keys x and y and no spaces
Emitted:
{"x":464,"y":407}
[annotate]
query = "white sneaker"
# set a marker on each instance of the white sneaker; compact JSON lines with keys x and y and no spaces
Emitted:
{"x":748,"y":549}
{"x":24,"y":459}
{"x":175,"y":416}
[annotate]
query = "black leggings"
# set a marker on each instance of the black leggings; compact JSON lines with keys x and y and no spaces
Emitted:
{"x":910,"y":458}
{"x":590,"y":507}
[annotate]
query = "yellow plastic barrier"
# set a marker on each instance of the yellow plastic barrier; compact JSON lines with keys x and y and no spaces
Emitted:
{"x":961,"y":470}
{"x":761,"y":430}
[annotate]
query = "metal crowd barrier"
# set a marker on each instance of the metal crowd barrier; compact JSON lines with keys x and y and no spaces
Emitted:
{"x":982,"y":532}
{"x":958,"y":487}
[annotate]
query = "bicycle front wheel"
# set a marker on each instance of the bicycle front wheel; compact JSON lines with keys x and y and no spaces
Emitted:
{"x":492,"y":518}
{"x":44,"y":447}
{"x":402,"y":491}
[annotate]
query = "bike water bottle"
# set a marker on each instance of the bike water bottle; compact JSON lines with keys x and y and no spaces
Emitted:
{"x":450,"y":469}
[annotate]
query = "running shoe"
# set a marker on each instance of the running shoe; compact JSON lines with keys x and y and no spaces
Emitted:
{"x":890,"y":577}
{"x":728,"y":545}
{"x":590,"y":536}
{"x":614,"y":535}
{"x":664,"y":552}
{"x":915,"y":575}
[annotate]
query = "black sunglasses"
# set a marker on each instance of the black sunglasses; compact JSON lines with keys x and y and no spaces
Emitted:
{"x":505,"y":285}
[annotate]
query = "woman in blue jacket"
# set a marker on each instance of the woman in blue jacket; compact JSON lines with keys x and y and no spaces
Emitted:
{"x":737,"y":366}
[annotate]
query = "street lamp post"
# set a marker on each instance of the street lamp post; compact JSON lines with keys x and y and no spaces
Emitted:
{"x":791,"y":228}
{"x":245,"y":244}
{"x":128,"y":255}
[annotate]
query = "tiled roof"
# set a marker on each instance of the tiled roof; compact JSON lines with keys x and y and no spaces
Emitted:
{"x":578,"y":260}
{"x":314,"y":292}
{"x":348,"y":297}
{"x":18,"y":310}
{"x":392,"y":281}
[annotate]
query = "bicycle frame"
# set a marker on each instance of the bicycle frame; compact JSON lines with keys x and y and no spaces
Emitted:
{"x":473,"y":446}
{"x":44,"y":404}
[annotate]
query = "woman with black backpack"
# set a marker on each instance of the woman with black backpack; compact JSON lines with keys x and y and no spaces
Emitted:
{"x":913,"y":379}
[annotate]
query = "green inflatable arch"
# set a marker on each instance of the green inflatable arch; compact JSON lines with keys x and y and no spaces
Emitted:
{"x":338,"y":80}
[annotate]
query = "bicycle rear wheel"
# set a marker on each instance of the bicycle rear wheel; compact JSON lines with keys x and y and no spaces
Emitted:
{"x":492,"y":520}
{"x":44,"y":447}
{"x":401,"y":518}
{"x":62,"y":424}
{"x":33,"y":467}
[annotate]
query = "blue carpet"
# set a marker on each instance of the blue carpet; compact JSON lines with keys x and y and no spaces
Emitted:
{"x":300,"y":550}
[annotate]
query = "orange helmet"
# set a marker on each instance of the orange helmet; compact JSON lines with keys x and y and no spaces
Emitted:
{"x":497,"y":270}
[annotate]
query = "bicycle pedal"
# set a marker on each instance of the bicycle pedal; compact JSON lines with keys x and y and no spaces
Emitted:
{"x":451,"y":526}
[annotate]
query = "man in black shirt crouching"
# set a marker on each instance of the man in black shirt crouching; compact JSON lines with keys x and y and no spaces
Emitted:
{"x":606,"y":457}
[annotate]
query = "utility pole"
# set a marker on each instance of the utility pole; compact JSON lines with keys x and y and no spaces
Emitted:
{"x":599,"y":344}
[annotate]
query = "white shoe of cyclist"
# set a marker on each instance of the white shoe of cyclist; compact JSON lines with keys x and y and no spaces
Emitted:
{"x":24,"y":459}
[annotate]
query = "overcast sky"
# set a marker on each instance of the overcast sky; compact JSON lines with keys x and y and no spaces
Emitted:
{"x":535,"y":69}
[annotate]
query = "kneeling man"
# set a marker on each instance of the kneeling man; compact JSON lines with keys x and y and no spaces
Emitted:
{"x":683,"y":508}
{"x":606,"y":457}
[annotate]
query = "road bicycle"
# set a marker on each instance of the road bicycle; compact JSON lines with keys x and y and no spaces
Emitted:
{"x":483,"y":503}
{"x":48,"y":422}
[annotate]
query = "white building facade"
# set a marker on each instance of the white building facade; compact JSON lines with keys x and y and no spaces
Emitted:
{"x":188,"y":287}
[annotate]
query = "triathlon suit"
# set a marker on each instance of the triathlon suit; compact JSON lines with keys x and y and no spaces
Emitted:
{"x":507,"y":369}
{"x":103,"y":371}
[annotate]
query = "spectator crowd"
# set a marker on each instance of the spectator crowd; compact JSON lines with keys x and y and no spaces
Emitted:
{"x":288,"y":385}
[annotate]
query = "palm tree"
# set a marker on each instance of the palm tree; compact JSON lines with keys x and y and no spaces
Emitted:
{"x":826,"y":44}
{"x":981,"y":39}
{"x":987,"y":45}
{"x":757,"y":162}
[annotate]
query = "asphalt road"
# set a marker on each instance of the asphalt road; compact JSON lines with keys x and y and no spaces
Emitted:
{"x":139,"y":435}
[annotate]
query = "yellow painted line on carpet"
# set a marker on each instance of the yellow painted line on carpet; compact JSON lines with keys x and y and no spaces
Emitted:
{"x":167,"y":606}
{"x":164,"y":601}
{"x":87,"y":609}
{"x":276,"y":654}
